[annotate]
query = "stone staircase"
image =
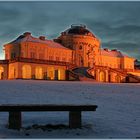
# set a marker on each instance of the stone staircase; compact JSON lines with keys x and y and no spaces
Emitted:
{"x":131,"y":77}
{"x":135,"y":78}
{"x":83,"y":74}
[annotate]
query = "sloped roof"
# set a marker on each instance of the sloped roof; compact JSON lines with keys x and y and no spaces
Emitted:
{"x":28,"y":38}
{"x":112,"y":53}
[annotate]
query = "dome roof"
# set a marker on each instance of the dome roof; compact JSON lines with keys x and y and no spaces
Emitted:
{"x":78,"y":30}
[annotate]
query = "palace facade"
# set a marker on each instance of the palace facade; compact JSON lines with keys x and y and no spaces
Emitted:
{"x":75,"y":54}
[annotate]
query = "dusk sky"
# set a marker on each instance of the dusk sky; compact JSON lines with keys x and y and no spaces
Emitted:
{"x":116,"y":24}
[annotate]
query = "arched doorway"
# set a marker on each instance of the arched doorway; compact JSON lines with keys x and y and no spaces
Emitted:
{"x":102,"y":76}
{"x":26,"y":72}
{"x":50,"y":73}
{"x":1,"y":72}
{"x":118,"y":79}
{"x":38,"y":73}
{"x":61,"y":74}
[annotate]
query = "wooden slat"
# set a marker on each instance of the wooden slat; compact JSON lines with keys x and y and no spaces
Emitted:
{"x":47,"y":107}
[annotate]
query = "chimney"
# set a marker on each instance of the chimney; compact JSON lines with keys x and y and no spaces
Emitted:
{"x":106,"y":49}
{"x":115,"y":50}
{"x":27,"y":34}
{"x":42,"y":37}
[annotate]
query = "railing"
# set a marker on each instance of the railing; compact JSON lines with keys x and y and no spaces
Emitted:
{"x":119,"y":71}
{"x":134,"y":76}
{"x":4,"y":61}
{"x":122,"y":72}
{"x":73,"y":74}
{"x":40,"y":61}
{"x":72,"y":66}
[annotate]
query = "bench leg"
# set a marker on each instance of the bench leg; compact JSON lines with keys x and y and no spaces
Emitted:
{"x":15,"y":120}
{"x":75,"y":119}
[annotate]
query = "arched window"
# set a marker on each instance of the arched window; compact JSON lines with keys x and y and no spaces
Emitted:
{"x":50,"y":73}
{"x":38,"y":73}
{"x":118,"y":79}
{"x":80,"y":47}
{"x":1,"y":72}
{"x":26,"y":72}
{"x":102,"y":76}
{"x":12,"y":72}
{"x":61,"y":74}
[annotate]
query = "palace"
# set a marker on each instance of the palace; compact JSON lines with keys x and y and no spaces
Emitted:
{"x":75,"y":55}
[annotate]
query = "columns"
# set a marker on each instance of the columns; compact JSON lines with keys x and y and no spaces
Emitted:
{"x":97,"y":71}
{"x":107,"y":76}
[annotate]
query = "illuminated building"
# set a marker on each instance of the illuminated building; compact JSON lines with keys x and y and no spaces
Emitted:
{"x":28,"y":57}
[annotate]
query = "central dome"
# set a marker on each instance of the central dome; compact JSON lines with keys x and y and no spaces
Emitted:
{"x":78,"y":29}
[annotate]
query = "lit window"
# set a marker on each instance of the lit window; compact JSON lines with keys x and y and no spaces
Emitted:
{"x":63,"y":59}
{"x":80,"y":47}
{"x":22,"y":55}
{"x":70,"y":60}
{"x":57,"y":59}
{"x":41,"y":56}
{"x":32,"y":55}
{"x":50,"y":57}
{"x":13,"y":55}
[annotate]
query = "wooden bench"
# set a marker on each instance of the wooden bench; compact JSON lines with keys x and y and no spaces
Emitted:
{"x":15,"y":116}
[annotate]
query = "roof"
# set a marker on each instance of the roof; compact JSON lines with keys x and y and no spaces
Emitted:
{"x":112,"y":53}
{"x":78,"y":30}
{"x":26,"y":37}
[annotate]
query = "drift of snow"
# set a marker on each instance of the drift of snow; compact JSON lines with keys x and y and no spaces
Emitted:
{"x":117,"y":115}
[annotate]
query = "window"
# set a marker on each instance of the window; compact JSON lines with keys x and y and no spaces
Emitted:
{"x":13,"y":55}
{"x":80,"y":47}
{"x":57,"y":59}
{"x":64,"y":59}
{"x":6,"y":56}
{"x":50,"y":57}
{"x":92,"y":49}
{"x":21,"y":54}
{"x":32,"y":55}
{"x":41,"y":56}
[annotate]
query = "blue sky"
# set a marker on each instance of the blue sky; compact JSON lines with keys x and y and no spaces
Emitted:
{"x":116,"y":24}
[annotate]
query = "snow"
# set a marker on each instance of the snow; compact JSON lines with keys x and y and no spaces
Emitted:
{"x":117,"y":115}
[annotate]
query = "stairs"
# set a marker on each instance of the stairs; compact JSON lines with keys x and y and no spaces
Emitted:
{"x":133,"y":78}
{"x":83,"y":74}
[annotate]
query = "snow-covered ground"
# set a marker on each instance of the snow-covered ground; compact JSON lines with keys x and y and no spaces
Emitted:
{"x":117,"y":115}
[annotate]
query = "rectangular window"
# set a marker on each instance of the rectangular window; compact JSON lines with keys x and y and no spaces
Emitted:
{"x":41,"y":56}
{"x":6,"y":56}
{"x":70,"y":60}
{"x":57,"y":58}
{"x":32,"y":55}
{"x":13,"y":55}
{"x":64,"y":59}
{"x":21,"y":54}
{"x":50,"y":57}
